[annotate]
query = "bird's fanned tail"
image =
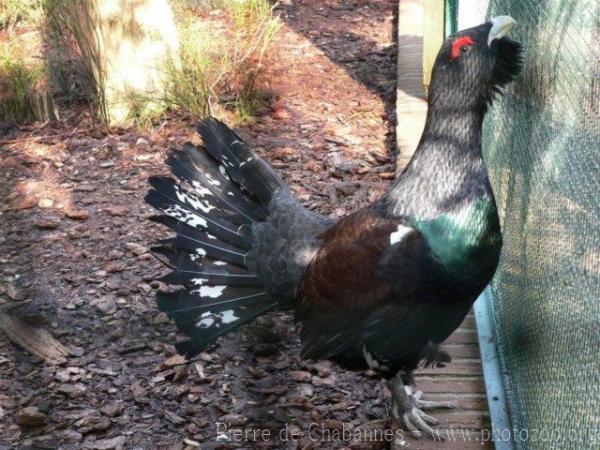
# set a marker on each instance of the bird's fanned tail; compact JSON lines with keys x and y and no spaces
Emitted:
{"x":217,"y":193}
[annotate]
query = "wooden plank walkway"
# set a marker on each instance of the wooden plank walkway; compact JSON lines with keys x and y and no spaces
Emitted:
{"x":411,"y":106}
{"x":461,"y":381}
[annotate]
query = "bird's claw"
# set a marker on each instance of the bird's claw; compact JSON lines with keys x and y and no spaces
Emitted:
{"x":417,"y":423}
{"x":410,"y":408}
{"x":429,"y":404}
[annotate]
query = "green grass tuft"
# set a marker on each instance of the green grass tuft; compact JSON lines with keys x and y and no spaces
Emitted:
{"x":218,"y":68}
{"x":14,"y":11}
{"x":17,"y":82}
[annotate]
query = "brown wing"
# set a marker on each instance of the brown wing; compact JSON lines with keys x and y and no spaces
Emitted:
{"x":343,"y":283}
{"x":342,"y":272}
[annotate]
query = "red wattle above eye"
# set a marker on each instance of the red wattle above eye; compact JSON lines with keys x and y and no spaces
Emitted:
{"x":457,"y":44}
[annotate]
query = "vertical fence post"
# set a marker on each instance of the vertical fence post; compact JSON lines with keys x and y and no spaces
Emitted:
{"x":433,"y":35}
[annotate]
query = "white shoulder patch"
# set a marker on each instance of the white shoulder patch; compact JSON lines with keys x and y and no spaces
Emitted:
{"x":371,"y":362}
{"x":400,"y":233}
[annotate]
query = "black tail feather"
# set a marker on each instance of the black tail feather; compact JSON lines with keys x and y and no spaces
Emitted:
{"x":190,"y":273}
{"x":186,"y":305}
{"x":171,"y":199}
{"x":190,"y":347}
{"x":201,"y":244}
{"x":200,"y":248}
{"x":199,"y":169}
{"x":240,"y":240}
{"x":219,"y":192}
{"x":241,"y":163}
{"x":204,"y":318}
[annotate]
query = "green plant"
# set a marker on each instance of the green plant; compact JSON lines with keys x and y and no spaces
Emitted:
{"x":71,"y":78}
{"x":254,"y":29}
{"x":194,"y":76}
{"x":246,"y":107}
{"x":14,"y":11}
{"x":219,"y":67}
{"x":76,"y":22}
{"x":144,"y":109}
{"x":215,"y":67}
{"x":17,"y":82}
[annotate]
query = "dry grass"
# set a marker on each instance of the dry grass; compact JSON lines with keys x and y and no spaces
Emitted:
{"x":12,"y":12}
{"x":70,"y":25}
{"x":17,"y":83}
{"x":20,"y":69}
{"x":221,"y":56}
{"x":222,"y":46}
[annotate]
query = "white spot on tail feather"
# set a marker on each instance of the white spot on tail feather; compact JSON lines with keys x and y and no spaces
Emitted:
{"x":200,"y":251}
{"x":199,"y":281}
{"x":211,"y":291}
{"x":220,"y":263}
{"x":228,"y":316}
{"x":399,"y":234}
{"x":211,"y":180}
{"x":200,"y":190}
{"x":208,"y":319}
{"x":197,"y":221}
{"x":224,"y":171}
{"x":191,"y":199}
{"x":186,"y":216}
{"x":205,"y":323}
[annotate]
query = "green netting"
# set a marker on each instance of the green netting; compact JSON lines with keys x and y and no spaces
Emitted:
{"x":542,"y":147}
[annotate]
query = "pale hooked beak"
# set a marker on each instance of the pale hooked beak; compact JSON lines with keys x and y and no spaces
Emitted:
{"x":501,"y":25}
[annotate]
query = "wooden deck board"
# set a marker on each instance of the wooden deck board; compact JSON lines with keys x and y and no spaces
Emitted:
{"x":411,"y":106}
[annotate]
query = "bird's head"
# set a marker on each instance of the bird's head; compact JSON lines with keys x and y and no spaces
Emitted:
{"x":474,"y":64}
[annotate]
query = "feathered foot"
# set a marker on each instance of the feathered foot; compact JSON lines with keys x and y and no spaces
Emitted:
{"x":408,"y":406}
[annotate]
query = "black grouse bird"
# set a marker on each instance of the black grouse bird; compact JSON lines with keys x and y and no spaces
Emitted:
{"x":382,"y":287}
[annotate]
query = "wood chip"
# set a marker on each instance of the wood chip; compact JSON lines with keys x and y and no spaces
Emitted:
{"x":35,"y":340}
{"x":31,"y":417}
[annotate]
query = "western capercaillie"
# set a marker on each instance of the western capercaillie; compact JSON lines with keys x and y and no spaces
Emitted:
{"x":382,"y":287}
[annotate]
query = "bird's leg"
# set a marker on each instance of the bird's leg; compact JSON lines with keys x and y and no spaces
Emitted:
{"x":406,"y":405}
{"x":409,"y":385}
{"x":429,"y":404}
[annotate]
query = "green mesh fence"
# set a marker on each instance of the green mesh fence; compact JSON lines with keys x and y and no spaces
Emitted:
{"x":542,"y":147}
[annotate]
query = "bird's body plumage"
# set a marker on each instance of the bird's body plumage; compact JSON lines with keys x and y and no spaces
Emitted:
{"x":379,"y":289}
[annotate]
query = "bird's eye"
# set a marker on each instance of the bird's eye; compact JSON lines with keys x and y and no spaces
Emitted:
{"x":461,"y":46}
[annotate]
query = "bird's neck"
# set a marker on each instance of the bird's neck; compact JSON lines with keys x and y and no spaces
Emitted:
{"x":445,"y":193}
{"x":460,"y":127}
{"x":446,"y":170}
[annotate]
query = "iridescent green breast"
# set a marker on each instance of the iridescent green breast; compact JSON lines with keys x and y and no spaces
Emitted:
{"x":467,"y":242}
